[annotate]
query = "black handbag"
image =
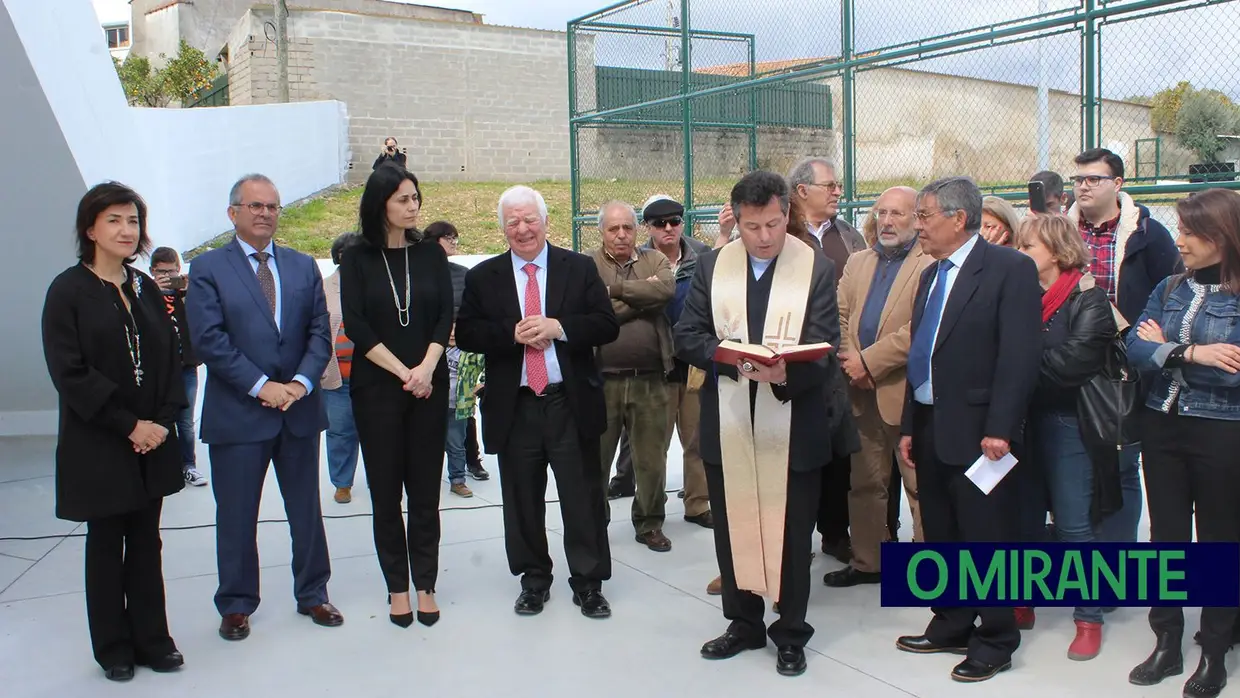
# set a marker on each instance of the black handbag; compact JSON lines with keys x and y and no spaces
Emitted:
{"x":1108,"y":404}
{"x":1107,"y":408}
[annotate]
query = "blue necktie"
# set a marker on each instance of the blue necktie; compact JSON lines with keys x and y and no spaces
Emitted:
{"x":923,"y":342}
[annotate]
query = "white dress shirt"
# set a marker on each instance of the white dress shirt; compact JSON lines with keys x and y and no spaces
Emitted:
{"x":554,"y":375}
{"x":925,"y":392}
{"x":250,"y":251}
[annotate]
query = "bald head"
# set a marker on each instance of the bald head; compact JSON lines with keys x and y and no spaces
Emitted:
{"x":894,"y":214}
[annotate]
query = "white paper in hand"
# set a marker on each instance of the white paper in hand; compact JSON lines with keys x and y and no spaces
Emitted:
{"x":986,"y":473}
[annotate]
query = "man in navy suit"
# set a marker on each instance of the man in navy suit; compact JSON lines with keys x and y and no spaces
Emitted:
{"x":259,"y":320}
{"x":973,"y":363}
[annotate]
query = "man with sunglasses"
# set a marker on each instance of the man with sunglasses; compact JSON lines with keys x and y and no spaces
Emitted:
{"x":1131,"y":252}
{"x":664,"y":220}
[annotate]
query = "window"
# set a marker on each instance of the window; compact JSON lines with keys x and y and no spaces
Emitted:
{"x":118,"y":37}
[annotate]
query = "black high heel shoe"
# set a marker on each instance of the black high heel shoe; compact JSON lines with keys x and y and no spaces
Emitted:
{"x":404,"y":620}
{"x":428,"y":618}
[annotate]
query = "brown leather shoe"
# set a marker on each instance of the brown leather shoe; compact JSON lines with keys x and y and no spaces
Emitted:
{"x":325,"y":615}
{"x":715,"y":588}
{"x":655,"y":540}
{"x":235,"y":626}
{"x":344,"y":495}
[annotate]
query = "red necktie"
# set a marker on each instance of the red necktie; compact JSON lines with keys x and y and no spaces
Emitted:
{"x":535,"y":362}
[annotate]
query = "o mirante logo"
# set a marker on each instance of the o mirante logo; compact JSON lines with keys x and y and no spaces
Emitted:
{"x":1061,"y":574}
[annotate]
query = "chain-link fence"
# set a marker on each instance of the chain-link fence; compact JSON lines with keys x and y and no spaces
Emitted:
{"x":682,"y":97}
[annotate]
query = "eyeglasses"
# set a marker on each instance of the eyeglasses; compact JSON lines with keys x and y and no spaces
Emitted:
{"x":257,"y":208}
{"x":1091,"y":180}
{"x":666,"y":222}
{"x":923,"y":215}
{"x":828,"y":185}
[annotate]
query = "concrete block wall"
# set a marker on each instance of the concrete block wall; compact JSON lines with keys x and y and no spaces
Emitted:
{"x":466,"y":101}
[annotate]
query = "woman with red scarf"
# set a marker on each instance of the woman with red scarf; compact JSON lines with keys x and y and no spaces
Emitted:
{"x":1079,"y":325}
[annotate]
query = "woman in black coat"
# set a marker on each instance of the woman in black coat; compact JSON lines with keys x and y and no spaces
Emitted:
{"x":111,"y":352}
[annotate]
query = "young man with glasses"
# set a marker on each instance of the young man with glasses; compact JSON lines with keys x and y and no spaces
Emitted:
{"x":1131,"y":252}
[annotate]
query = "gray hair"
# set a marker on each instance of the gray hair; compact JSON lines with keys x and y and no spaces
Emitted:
{"x":803,"y":171}
{"x":520,"y":194}
{"x":957,"y":194}
{"x":234,"y":195}
{"x":614,"y":204}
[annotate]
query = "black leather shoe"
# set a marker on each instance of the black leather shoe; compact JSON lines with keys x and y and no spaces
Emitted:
{"x":1209,"y":679}
{"x":121,"y":672}
{"x":791,"y":661}
{"x":730,"y":644}
{"x":530,"y":603}
{"x":162,"y":665}
{"x":1166,"y":660}
{"x":920,"y":644}
{"x":592,"y":603}
{"x":972,"y":671}
{"x":850,"y":577}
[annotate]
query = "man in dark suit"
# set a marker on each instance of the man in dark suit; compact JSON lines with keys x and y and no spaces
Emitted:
{"x":538,"y":313}
{"x":762,"y":438}
{"x":260,"y":324}
{"x":972,"y":367}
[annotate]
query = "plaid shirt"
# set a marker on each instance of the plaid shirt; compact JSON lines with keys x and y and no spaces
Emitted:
{"x":1101,"y":244}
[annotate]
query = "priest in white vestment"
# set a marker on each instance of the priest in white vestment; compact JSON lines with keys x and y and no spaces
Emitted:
{"x":765,"y":430}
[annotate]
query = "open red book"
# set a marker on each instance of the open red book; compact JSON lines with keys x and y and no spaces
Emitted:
{"x":731,"y":353}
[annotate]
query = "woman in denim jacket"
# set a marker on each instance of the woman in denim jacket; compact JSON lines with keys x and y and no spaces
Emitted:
{"x":1190,"y":335}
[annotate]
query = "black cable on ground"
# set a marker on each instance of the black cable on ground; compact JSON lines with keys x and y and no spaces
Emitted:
{"x":359,"y":515}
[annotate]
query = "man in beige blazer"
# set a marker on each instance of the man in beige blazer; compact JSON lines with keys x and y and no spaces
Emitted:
{"x":876,"y":311}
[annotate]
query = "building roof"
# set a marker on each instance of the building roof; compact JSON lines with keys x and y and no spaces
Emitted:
{"x":763,"y":67}
{"x":163,"y":6}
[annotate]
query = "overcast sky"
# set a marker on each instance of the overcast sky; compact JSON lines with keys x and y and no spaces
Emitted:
{"x":1139,"y":57}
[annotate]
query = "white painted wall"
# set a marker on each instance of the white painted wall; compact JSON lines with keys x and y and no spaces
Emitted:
{"x":67,"y":128}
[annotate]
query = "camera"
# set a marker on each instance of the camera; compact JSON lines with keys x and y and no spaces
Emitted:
{"x":179,"y":282}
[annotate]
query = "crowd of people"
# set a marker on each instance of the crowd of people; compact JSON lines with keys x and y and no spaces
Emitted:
{"x":949,"y":327}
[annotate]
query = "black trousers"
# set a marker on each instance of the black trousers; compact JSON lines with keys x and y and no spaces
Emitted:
{"x":403,"y":440}
{"x":832,"y":518}
{"x":894,"y":492}
{"x":954,"y":510}
{"x":473,"y":453}
{"x":125,"y":588}
{"x":544,"y":433}
{"x":747,"y":610}
{"x":1191,"y":465}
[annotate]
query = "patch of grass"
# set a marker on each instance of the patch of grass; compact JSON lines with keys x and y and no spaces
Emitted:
{"x":312,"y":225}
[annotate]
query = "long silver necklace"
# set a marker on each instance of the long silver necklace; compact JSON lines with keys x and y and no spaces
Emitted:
{"x":134,"y":340}
{"x":402,"y":314}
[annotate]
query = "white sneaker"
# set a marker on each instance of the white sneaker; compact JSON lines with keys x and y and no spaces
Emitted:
{"x":195,"y":478}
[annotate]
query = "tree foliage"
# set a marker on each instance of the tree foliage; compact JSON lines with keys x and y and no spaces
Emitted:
{"x":181,"y":79}
{"x":1203,"y":117}
{"x":1165,"y":106}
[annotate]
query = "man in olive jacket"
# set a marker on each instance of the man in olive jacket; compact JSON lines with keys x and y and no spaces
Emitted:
{"x":635,"y":366}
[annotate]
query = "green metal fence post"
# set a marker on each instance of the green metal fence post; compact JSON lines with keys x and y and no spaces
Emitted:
{"x":1089,"y":75}
{"x":753,"y":108}
{"x":686,"y":69}
{"x":849,"y":117}
{"x":574,"y":161}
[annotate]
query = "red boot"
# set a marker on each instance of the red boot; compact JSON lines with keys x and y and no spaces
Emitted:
{"x":1025,"y":617}
{"x":1088,"y":642}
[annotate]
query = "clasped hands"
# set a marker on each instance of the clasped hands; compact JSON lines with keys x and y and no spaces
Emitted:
{"x":858,"y":375}
{"x":147,"y":436}
{"x":538,"y":332}
{"x":417,"y":380}
{"x":281,"y":396}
